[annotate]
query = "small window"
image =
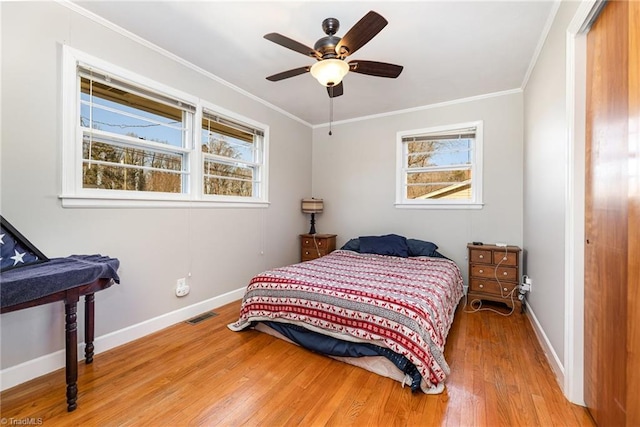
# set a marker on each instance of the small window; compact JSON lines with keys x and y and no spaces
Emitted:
{"x":440,"y":167}
{"x":232,"y":157}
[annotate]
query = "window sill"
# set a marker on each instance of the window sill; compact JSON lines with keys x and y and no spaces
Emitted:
{"x":439,"y":205}
{"x":106,"y":202}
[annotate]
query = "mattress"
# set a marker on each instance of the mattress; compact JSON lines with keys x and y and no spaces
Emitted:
{"x":405,"y":305}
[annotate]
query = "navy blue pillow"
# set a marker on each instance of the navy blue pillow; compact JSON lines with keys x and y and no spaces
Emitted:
{"x":437,"y":254}
{"x":352,"y":245}
{"x":421,"y":247}
{"x":390,"y":244}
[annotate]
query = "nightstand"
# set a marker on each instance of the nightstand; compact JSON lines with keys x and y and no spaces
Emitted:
{"x":494,"y":274}
{"x":314,"y":246}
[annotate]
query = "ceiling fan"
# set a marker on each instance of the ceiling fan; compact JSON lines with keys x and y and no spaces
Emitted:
{"x":330,"y":52}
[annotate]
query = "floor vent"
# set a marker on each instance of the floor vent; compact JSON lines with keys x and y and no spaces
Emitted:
{"x":202,"y":317}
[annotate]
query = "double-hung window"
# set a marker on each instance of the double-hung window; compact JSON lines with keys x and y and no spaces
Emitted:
{"x":440,"y":167}
{"x":233,"y":157}
{"x":133,"y":139}
{"x":130,"y":141}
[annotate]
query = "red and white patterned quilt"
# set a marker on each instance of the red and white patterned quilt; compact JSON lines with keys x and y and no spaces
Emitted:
{"x":405,"y":304}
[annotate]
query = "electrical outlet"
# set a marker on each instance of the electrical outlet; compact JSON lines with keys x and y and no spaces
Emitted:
{"x":526,"y":284}
{"x":182,"y":288}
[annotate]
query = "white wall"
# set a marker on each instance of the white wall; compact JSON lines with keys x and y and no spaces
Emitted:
{"x":546,"y":172}
{"x":354,"y":171}
{"x":221,"y":248}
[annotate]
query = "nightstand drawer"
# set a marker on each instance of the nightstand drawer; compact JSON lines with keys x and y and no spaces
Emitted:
{"x":491,"y":287}
{"x":320,"y":243}
{"x":481,"y":256}
{"x":510,"y":258}
{"x":490,"y":272}
{"x":309,"y":254}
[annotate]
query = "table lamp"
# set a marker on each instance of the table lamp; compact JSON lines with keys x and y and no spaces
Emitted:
{"x":312,"y":206}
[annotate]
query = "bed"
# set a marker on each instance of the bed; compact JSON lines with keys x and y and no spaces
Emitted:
{"x":384,"y":303}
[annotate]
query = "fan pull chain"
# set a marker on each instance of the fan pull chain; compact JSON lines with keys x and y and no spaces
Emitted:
{"x":330,"y":108}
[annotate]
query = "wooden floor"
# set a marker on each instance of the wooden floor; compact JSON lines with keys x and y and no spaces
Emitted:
{"x":205,"y":374}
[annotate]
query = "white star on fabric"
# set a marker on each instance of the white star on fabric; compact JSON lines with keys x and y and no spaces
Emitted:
{"x":18,"y":257}
{"x":2,"y":237}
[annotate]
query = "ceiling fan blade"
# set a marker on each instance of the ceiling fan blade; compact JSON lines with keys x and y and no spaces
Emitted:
{"x":336,"y":90}
{"x":289,"y":73}
{"x":292,"y":44}
{"x":378,"y":69}
{"x":363,"y":31}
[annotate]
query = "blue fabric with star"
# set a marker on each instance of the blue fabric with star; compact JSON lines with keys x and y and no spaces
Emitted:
{"x":13,"y":252}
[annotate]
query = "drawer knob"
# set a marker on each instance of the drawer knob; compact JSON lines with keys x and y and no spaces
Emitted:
{"x":306,"y":242}
{"x":480,"y":271}
{"x":505,"y":289}
{"x":306,"y":252}
{"x":481,"y":256}
{"x":482,"y":286}
{"x":504,"y":258}
{"x":505,"y":273}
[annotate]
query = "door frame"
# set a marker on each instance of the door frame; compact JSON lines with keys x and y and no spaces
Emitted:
{"x":576,"y":59}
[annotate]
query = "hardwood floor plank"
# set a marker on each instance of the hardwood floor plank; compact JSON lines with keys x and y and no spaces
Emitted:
{"x":205,"y":374}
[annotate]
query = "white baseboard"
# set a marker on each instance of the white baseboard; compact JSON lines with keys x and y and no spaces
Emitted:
{"x":552,"y":357}
{"x":18,"y":374}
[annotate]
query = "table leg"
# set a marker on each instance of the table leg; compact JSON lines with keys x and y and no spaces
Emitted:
{"x":88,"y":327}
{"x":71,"y":344}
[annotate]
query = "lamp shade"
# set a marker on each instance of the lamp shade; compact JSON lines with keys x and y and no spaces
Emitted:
{"x":312,"y":205}
{"x":329,"y":72}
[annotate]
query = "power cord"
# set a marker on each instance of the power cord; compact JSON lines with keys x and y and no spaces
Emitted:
{"x":315,"y":243}
{"x":480,"y":308}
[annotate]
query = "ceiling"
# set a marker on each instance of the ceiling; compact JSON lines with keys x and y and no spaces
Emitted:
{"x":449,"y":49}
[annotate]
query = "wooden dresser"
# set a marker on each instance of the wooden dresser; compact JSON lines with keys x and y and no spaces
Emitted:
{"x":494,"y":274}
{"x":314,"y":246}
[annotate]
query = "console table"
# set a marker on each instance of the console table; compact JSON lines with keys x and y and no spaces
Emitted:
{"x":66,"y":280}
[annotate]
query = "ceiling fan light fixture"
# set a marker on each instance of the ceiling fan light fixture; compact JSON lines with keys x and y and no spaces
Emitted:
{"x":329,"y":72}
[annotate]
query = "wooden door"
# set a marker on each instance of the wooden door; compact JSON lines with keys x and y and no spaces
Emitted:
{"x":633,"y":279}
{"x":611,"y":217}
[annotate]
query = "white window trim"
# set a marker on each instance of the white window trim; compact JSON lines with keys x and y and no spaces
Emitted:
{"x":476,"y":197}
{"x":73,"y":195}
